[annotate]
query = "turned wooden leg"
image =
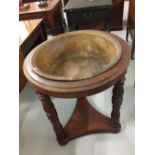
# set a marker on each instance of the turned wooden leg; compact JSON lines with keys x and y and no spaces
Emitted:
{"x":53,"y":117}
{"x":117,"y":99}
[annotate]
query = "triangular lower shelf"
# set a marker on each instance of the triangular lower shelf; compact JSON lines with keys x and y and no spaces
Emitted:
{"x":86,"y":120}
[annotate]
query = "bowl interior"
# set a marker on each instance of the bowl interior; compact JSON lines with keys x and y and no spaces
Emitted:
{"x":76,"y":55}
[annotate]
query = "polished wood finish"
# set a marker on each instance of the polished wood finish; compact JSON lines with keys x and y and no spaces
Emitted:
{"x":31,"y":33}
{"x":131,"y":26}
{"x":80,"y":88}
{"x":116,"y":22}
{"x":85,"y":119}
{"x":131,"y":15}
{"x":51,"y":15}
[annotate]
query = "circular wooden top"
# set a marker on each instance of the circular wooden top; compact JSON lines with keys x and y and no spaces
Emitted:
{"x":80,"y":88}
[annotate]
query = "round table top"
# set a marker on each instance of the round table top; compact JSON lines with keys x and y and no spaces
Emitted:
{"x":80,"y":88}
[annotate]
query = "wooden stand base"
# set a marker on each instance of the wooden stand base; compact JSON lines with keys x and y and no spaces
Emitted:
{"x":86,"y":120}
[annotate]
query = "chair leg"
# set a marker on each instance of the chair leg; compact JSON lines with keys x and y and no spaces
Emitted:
{"x":127,"y":34}
{"x":133,"y":49}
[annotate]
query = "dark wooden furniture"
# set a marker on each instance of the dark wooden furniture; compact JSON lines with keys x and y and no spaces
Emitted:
{"x":51,"y":15}
{"x":85,"y":119}
{"x":74,"y":12}
{"x":31,"y":33}
{"x":88,"y":14}
{"x":116,"y":22}
{"x":131,"y":26}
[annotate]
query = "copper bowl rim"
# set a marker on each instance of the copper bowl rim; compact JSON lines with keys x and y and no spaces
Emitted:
{"x":105,"y":35}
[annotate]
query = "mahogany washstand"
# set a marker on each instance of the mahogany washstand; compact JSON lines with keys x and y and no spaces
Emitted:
{"x":45,"y":69}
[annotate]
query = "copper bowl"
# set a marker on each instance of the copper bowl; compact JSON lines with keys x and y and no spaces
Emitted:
{"x":76,"y":55}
